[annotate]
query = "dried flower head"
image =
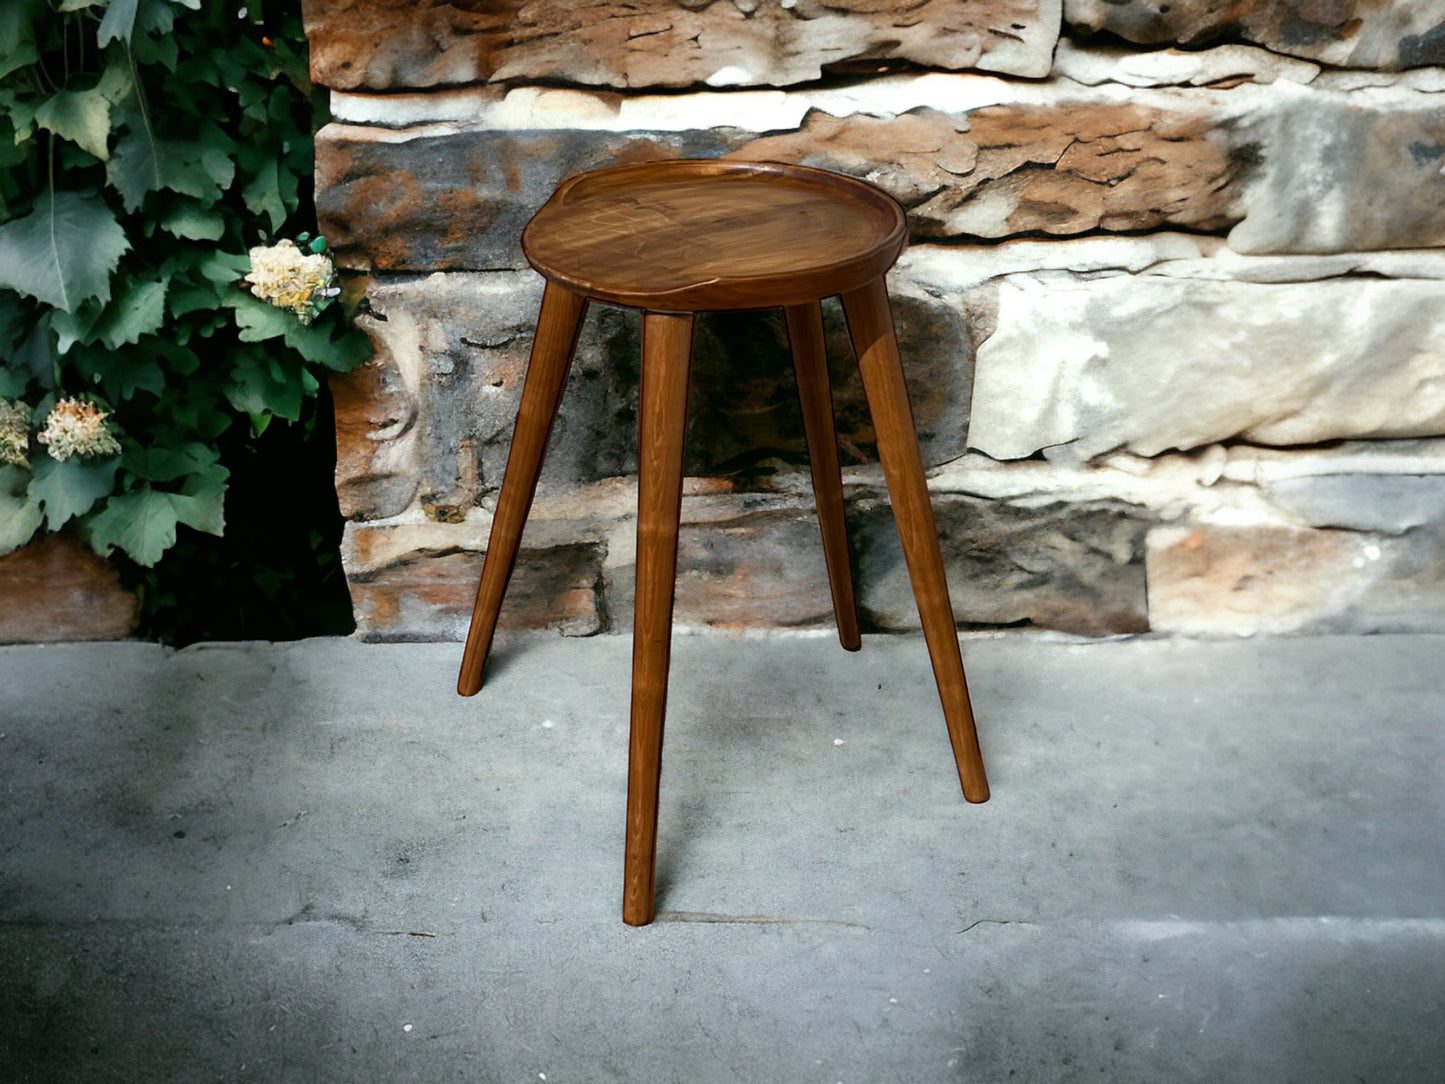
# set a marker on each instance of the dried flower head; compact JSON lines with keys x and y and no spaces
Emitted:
{"x":14,"y":434}
{"x":76,"y":428}
{"x":292,"y":278}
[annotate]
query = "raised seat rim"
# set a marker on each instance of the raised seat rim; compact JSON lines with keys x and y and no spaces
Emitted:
{"x":763,"y":290}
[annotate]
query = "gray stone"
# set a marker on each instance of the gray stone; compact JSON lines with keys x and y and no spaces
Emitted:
{"x":428,"y":421}
{"x":452,"y":352}
{"x":1342,"y":172}
{"x":1074,"y":568}
{"x":1148,"y":363}
{"x":1344,"y":33}
{"x":1385,"y":503}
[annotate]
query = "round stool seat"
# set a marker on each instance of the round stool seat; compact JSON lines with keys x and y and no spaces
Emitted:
{"x":688,"y":235}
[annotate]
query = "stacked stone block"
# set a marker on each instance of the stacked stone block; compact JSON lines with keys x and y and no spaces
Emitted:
{"x":1172,"y":317}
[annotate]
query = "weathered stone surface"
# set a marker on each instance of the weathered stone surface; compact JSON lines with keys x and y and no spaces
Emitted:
{"x":1149,"y":362}
{"x":1343,"y":172}
{"x":429,"y":595}
{"x":1385,"y":503}
{"x":1077,"y":569}
{"x":1241,"y":580}
{"x":423,"y":199}
{"x":1225,"y":65}
{"x":391,"y":44}
{"x":1387,"y":34}
{"x":1005,"y":170}
{"x":56,"y":590}
{"x":763,"y":569}
{"x":428,"y":421}
{"x":1325,"y":167}
{"x":429,"y":418}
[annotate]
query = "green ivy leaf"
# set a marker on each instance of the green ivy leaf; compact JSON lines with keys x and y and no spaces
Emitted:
{"x":260,"y":320}
{"x":17,"y":34}
{"x":141,"y":522}
{"x":70,"y":488}
{"x":81,"y":116}
{"x":13,"y":318}
{"x":76,"y":327}
{"x":340,"y":348}
{"x":12,"y":382}
{"x":64,"y":251}
{"x":141,"y":164}
{"x":194,"y":223}
{"x":262,"y":386}
{"x":201,"y":503}
{"x":20,"y":516}
{"x":138,"y":310}
{"x":263,"y":195}
{"x":165,"y":464}
{"x":118,"y":23}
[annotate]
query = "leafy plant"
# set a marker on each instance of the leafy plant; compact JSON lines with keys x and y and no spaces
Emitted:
{"x":145,"y":147}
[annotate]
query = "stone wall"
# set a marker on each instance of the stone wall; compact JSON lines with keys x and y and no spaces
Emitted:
{"x":1173,"y":312}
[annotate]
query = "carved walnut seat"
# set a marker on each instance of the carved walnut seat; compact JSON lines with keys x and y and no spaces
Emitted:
{"x":676,"y":238}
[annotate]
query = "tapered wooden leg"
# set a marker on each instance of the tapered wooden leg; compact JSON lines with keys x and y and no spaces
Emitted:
{"x":810,"y":363}
{"x":662,"y":428}
{"x":557,"y":328}
{"x":870,"y":324}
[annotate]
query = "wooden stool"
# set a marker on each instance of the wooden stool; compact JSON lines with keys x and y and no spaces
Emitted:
{"x":676,"y":238}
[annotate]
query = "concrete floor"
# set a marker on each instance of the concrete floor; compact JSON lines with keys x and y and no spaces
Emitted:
{"x":313,"y":862}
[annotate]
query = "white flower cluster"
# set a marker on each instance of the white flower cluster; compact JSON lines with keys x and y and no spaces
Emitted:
{"x":291,"y":278}
{"x":77,"y":428}
{"x":14,"y":434}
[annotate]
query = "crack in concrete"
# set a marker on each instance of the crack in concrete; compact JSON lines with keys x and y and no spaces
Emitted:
{"x":756,"y":920}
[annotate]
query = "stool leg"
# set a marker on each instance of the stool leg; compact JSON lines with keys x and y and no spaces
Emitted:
{"x":810,"y":363}
{"x":870,"y":325}
{"x":557,"y":326}
{"x":662,"y":429}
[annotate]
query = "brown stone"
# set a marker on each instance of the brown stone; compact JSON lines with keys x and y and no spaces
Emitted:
{"x":56,"y":590}
{"x":1005,"y":170}
{"x":1389,"y":34}
{"x":393,"y":44}
{"x":429,"y":595}
{"x":1074,"y":568}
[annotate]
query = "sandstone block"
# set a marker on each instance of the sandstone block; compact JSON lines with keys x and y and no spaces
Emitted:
{"x":1152,"y":362}
{"x":1273,"y":579}
{"x":56,"y":589}
{"x":1009,"y":169}
{"x":1077,"y":569}
{"x":429,"y":595}
{"x":761,"y":570}
{"x":393,"y":44}
{"x":1388,"y":34}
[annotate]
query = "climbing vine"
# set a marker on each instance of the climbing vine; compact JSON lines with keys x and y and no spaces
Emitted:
{"x":147,"y":147}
